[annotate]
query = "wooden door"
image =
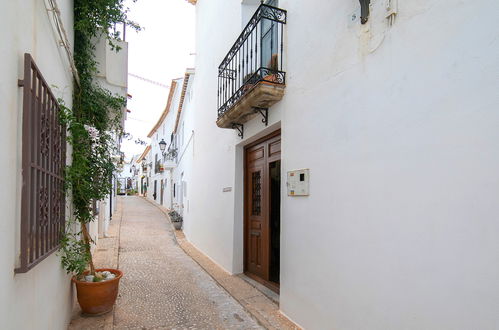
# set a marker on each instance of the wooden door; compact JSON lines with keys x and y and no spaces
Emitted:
{"x":258,"y":156}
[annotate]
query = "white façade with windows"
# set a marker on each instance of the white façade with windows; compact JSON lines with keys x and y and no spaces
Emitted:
{"x":160,"y":162}
{"x":172,"y":143}
{"x":396,"y":121}
{"x":184,"y":135}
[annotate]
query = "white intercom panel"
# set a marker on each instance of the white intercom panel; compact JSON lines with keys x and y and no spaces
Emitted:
{"x":298,"y":182}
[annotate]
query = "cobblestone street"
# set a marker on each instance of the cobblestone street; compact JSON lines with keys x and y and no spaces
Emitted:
{"x":162,"y":287}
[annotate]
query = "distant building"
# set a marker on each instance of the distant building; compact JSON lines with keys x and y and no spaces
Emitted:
{"x":142,"y":166}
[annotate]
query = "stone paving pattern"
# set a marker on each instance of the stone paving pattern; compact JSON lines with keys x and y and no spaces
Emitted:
{"x":263,"y":308}
{"x":162,"y":287}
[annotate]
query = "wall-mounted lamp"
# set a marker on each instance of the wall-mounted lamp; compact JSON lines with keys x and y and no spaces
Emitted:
{"x":364,"y":11}
{"x":162,"y":146}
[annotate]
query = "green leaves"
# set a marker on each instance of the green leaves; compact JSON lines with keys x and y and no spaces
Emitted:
{"x":93,"y":123}
{"x":74,"y":251}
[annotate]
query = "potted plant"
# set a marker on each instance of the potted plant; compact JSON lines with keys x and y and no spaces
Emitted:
{"x":273,"y":68}
{"x":87,"y":180}
{"x":94,"y":127}
{"x":176,"y":219}
{"x":97,"y":289}
{"x":248,"y":82}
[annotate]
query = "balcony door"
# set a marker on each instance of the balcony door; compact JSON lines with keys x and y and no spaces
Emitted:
{"x":262,"y":210}
{"x":270,"y":44}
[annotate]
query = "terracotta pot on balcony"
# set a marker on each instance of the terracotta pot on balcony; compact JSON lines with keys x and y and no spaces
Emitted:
{"x":97,"y":298}
{"x":270,"y":79}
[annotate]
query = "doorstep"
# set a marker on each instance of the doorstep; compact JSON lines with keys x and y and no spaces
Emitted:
{"x":272,"y":295}
{"x":262,"y":307}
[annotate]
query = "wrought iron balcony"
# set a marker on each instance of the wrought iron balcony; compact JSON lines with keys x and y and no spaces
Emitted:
{"x":251,"y":76}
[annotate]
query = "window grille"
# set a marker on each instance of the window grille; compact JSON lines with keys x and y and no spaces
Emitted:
{"x":43,"y":162}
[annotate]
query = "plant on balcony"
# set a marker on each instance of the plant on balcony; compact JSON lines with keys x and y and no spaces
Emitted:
{"x":249,"y":81}
{"x":94,"y":124}
{"x":273,"y":67}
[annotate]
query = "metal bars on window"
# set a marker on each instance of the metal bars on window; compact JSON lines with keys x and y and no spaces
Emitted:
{"x":257,"y":55}
{"x":256,"y":193}
{"x":43,"y":162}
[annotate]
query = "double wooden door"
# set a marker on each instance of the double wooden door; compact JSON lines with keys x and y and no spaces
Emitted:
{"x":259,"y":158}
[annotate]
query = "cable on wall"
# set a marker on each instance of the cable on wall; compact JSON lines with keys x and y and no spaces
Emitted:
{"x":53,"y":8}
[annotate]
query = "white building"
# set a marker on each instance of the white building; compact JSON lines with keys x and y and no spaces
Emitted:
{"x":129,"y":176}
{"x":183,"y":136}
{"x":168,"y":180}
{"x":162,"y":188}
{"x":113,"y":76}
{"x":35,"y":291}
{"x":142,"y":166}
{"x":42,"y":292}
{"x":392,"y":223}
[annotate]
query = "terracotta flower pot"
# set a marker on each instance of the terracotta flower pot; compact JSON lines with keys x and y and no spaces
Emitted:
{"x":271,"y":78}
{"x":97,"y":298}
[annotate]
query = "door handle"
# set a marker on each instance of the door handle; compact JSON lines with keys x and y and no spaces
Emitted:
{"x":255,"y":233}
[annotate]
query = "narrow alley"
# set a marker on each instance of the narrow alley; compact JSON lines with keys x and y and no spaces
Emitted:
{"x":163,"y":288}
{"x":249,"y":164}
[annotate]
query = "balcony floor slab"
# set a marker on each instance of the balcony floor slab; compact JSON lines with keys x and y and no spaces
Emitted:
{"x":262,"y":95}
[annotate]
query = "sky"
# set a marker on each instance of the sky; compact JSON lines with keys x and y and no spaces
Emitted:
{"x":160,"y":52}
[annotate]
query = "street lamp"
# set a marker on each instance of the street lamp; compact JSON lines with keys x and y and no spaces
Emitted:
{"x":162,"y":146}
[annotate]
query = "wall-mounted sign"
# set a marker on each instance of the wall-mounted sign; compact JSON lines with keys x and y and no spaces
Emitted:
{"x":298,"y":182}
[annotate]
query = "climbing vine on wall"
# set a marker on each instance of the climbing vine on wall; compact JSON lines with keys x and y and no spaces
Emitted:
{"x":93,"y":124}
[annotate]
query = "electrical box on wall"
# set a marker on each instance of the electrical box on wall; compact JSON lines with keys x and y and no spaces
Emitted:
{"x":298,"y":182}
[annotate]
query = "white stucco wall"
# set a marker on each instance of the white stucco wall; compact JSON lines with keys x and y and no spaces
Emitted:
{"x":401,"y":138}
{"x":40,"y":298}
{"x":112,"y":66}
{"x":399,"y":128}
{"x":210,"y":222}
{"x":164,"y":132}
{"x":181,"y":174}
{"x":216,"y":216}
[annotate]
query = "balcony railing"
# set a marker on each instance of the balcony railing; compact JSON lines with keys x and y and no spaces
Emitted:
{"x":255,"y":57}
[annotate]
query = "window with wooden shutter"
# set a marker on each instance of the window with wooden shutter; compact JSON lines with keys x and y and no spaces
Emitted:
{"x":43,"y":162}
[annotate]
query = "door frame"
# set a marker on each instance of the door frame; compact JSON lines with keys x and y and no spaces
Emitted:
{"x":271,"y":285}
